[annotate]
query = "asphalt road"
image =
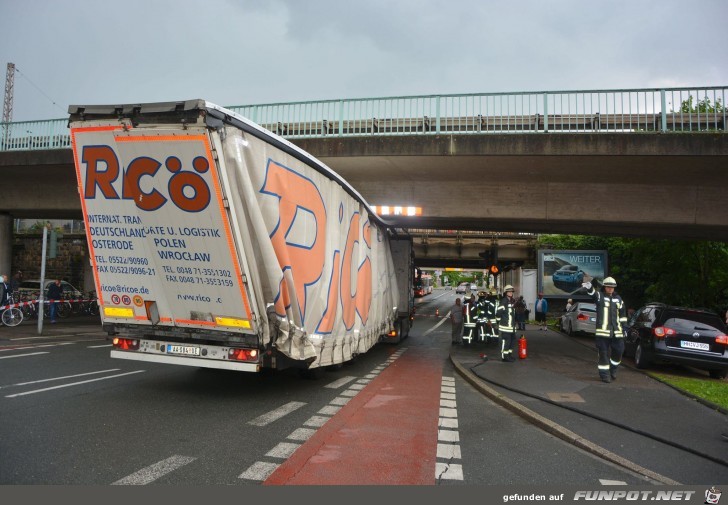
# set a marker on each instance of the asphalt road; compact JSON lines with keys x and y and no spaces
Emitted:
{"x":69,"y":414}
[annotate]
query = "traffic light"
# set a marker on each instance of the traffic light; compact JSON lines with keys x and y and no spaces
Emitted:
{"x":494,"y":270}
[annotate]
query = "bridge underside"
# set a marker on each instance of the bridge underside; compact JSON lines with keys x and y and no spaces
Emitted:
{"x":648,"y":185}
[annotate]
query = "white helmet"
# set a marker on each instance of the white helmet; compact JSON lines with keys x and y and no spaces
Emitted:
{"x":609,"y":282}
{"x":508,"y":288}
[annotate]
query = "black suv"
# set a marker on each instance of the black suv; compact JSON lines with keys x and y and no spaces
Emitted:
{"x":659,"y":333}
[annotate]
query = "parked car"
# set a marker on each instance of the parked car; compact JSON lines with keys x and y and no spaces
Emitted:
{"x":659,"y":333}
{"x":473,"y":287}
{"x":32,"y":287}
{"x":568,"y":274}
{"x":580,"y":318}
{"x":462,"y":288}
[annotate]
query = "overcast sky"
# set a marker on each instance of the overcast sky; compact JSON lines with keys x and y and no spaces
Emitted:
{"x":237,"y":52}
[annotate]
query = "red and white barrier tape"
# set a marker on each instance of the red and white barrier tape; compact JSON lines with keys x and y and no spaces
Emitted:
{"x":34,"y":302}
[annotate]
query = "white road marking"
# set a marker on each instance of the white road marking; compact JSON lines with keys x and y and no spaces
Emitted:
{"x":316,"y":421}
{"x":57,"y":344}
{"x":340,"y":401}
{"x":349,"y":392}
{"x":24,"y":355}
{"x":302,"y":434}
{"x":338,"y":383}
{"x":450,"y":448}
{"x":448,"y":471}
{"x":99,"y":346}
{"x":448,"y":451}
{"x":448,"y":412}
{"x":442,"y":321}
{"x":73,"y":384}
{"x":446,"y":422}
{"x":329,"y":410}
{"x":260,"y":470}
{"x":61,"y":378}
{"x":448,"y":436}
{"x":606,"y":482}
{"x":155,"y":471}
{"x":276,"y":414}
{"x":283,"y":450}
{"x":357,"y":386}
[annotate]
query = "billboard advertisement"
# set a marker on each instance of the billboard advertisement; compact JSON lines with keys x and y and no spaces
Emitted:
{"x":561,"y":272}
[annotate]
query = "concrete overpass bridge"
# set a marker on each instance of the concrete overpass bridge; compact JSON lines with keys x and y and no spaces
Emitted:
{"x":615,"y":162}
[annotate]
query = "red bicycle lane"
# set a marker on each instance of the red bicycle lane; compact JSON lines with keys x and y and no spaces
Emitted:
{"x":385,"y":435}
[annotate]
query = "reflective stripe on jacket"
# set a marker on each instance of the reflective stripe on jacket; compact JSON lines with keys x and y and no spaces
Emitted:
{"x":611,"y":314}
{"x":507,"y":315}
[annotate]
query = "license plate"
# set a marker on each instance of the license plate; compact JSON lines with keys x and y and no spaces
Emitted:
{"x":694,"y":345}
{"x":187,"y":350}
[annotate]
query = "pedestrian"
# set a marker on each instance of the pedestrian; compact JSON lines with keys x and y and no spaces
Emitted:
{"x":542,"y":307}
{"x":5,"y":290}
{"x":482,"y":321}
{"x":456,"y":319}
{"x":55,"y":293}
{"x":609,"y":335}
{"x":520,"y":308}
{"x":17,"y":279}
{"x":569,"y":304}
{"x":506,"y":324}
{"x":492,"y":315}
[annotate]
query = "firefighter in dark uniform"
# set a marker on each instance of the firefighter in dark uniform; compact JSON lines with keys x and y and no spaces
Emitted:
{"x":482,"y":318}
{"x":609,"y":337}
{"x":507,"y":324}
{"x":492,"y":316}
{"x":470,"y":319}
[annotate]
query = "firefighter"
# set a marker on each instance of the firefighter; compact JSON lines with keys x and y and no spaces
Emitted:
{"x":482,"y":317}
{"x":609,"y":337}
{"x":470,"y":313}
{"x":493,"y":316}
{"x":507,"y":324}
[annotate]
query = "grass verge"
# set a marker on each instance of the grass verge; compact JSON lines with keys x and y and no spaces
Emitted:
{"x":711,"y":390}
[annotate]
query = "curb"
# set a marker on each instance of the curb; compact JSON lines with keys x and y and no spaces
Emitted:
{"x":556,"y":429}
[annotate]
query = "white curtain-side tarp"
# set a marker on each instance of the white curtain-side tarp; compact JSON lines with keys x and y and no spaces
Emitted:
{"x":321,"y":270}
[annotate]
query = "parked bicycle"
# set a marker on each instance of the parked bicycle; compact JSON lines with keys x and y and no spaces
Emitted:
{"x":12,"y":316}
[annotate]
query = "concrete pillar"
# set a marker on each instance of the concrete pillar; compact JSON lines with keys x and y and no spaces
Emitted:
{"x":6,"y":244}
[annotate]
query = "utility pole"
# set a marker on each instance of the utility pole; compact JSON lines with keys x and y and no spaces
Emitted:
{"x":8,"y":102}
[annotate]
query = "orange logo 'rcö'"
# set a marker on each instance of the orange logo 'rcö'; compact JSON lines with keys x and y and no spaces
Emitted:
{"x":299,"y":196}
{"x":187,"y":189}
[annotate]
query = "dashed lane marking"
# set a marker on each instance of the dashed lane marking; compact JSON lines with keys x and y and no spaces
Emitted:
{"x":261,"y":470}
{"x":448,"y":436}
{"x":24,"y":355}
{"x":155,"y":471}
{"x":276,"y":414}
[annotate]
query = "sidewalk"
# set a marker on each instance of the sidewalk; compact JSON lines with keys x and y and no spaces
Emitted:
{"x":561,"y":371}
{"x":86,"y":326}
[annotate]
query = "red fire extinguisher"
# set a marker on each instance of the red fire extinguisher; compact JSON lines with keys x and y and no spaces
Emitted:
{"x":522,"y":347}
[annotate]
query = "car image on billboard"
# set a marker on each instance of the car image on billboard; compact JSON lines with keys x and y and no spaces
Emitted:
{"x":561,"y":272}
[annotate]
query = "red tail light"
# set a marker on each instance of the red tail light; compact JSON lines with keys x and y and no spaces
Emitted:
{"x":243,"y":354}
{"x":662,"y":331}
{"x":721,"y":339}
{"x":126,"y":344}
{"x":582,"y":317}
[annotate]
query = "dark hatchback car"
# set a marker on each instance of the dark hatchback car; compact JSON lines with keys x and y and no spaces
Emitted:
{"x":658,"y":333}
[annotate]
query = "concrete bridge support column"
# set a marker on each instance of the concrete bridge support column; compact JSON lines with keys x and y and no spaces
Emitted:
{"x":6,"y":244}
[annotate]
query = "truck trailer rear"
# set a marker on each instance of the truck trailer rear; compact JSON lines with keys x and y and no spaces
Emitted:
{"x":215,"y":243}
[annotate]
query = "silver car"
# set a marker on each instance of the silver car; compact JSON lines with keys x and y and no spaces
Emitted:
{"x":580,"y":318}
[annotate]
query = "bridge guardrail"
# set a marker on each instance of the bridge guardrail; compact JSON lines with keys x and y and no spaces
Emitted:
{"x":619,"y":111}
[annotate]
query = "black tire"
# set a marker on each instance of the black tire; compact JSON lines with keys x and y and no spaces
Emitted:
{"x":718,"y":374}
{"x":640,"y":359}
{"x":12,"y":317}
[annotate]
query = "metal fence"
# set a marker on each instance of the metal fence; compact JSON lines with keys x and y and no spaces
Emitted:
{"x":665,"y":110}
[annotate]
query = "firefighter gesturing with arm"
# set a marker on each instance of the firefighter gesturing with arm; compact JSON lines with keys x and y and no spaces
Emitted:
{"x":611,"y":320}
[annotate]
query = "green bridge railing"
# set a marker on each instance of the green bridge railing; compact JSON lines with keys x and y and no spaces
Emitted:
{"x":693,"y":110}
